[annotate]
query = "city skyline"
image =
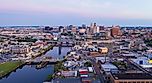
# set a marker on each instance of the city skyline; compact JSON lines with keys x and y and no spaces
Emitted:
{"x":77,"y":12}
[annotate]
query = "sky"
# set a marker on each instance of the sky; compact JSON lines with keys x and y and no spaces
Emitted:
{"x":76,"y":12}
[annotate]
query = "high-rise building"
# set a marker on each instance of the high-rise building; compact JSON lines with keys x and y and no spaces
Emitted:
{"x":84,"y":26}
{"x":93,"y":28}
{"x":98,"y":29}
{"x":82,"y":30}
{"x":115,"y":31}
{"x":74,"y":29}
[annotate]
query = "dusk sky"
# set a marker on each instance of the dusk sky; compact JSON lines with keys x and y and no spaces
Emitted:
{"x":77,"y":12}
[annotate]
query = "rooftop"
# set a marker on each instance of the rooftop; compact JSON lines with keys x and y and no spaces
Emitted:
{"x":131,"y":76}
{"x":109,"y":65}
{"x":67,"y":80}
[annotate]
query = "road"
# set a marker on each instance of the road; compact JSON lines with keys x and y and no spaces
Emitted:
{"x":97,"y":70}
{"x":138,"y":66}
{"x":96,"y":66}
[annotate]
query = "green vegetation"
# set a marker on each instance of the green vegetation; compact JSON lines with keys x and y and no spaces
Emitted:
{"x":120,"y":64}
{"x":88,"y":64}
{"x":148,"y":42}
{"x":8,"y":67}
{"x":59,"y":67}
{"x":50,"y":77}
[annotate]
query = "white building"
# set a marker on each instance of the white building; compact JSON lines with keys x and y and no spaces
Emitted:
{"x":143,"y":61}
{"x":108,"y":67}
{"x":102,"y":59}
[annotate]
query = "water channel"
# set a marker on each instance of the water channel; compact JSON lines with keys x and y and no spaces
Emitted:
{"x":29,"y":74}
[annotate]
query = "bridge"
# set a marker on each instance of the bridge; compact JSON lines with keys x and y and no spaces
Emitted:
{"x":43,"y":60}
{"x":101,"y":41}
{"x":63,"y":44}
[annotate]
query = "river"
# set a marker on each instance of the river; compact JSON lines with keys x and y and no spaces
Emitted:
{"x":29,"y":74}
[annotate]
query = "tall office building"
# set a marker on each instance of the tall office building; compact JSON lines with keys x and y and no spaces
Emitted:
{"x":98,"y":29}
{"x":93,"y":28}
{"x":74,"y":29}
{"x":115,"y":31}
{"x":84,"y":26}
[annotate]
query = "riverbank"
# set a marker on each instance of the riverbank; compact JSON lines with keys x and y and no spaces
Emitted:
{"x":33,"y":75}
{"x":8,"y":67}
{"x":43,"y":51}
{"x":28,"y":74}
{"x":57,"y":68}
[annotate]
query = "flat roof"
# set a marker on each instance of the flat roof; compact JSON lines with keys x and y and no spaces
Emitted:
{"x":109,"y":65}
{"x":131,"y":76}
{"x":67,"y":80}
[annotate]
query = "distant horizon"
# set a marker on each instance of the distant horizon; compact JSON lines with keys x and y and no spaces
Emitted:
{"x":74,"y":25}
{"x":61,"y":12}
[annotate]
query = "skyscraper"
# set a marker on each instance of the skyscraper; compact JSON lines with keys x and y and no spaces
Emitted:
{"x":93,"y":28}
{"x":115,"y":31}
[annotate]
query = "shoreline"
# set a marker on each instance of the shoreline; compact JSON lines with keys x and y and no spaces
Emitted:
{"x":22,"y":63}
{"x":12,"y":70}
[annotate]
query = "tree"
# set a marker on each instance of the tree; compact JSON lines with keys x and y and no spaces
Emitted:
{"x":88,"y":64}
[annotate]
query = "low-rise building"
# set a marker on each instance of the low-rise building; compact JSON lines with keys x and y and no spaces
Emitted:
{"x":103,"y":50}
{"x":69,"y":73}
{"x":108,"y":67}
{"x":131,"y":78}
{"x":19,"y":49}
